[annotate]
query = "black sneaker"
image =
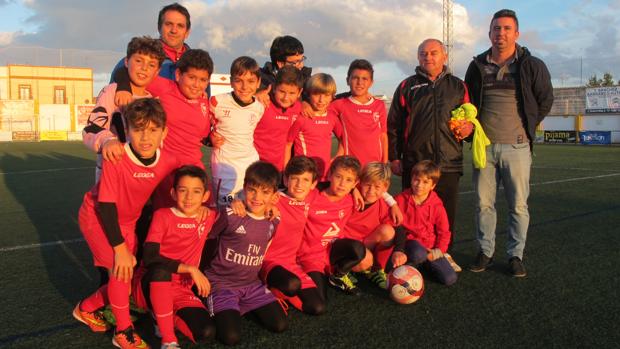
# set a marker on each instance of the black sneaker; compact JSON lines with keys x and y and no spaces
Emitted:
{"x":345,"y":284}
{"x":481,"y":263}
{"x":516,"y":267}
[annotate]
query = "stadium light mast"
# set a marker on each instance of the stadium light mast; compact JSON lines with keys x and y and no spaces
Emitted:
{"x":448,"y":30}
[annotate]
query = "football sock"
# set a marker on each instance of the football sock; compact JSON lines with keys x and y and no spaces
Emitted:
{"x":161,"y":299}
{"x":118,"y":294}
{"x":95,"y":300}
{"x":382,"y":255}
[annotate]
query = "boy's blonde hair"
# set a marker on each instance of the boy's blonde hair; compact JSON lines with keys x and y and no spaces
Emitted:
{"x":428,"y":169}
{"x":376,"y":171}
{"x":321,"y":83}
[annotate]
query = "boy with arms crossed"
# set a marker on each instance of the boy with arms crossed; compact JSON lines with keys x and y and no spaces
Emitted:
{"x":105,"y":130}
{"x":272,"y":130}
{"x":235,"y":116}
{"x":425,"y":233}
{"x":109,"y":213}
{"x":241,"y":244}
{"x":170,"y":266}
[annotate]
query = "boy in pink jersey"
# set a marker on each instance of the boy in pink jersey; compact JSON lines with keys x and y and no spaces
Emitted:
{"x":186,"y":106}
{"x":324,"y":250}
{"x":280,"y":269}
{"x":425,"y":234}
{"x":312,"y":136}
{"x":235,"y":116}
{"x":105,"y":130}
{"x":373,"y":225}
{"x":240,"y":244}
{"x":171,"y":262}
{"x":109,"y":213}
{"x":272,"y":130}
{"x":364,"y":119}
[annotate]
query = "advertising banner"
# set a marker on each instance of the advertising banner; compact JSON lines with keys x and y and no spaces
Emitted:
{"x":560,"y":137}
{"x":595,"y":137}
{"x":81,"y":115}
{"x":28,"y":136}
{"x":53,"y":135}
{"x":603,"y":99}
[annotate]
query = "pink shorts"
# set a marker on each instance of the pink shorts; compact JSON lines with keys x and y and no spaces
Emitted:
{"x":182,"y":294}
{"x":103,"y":254}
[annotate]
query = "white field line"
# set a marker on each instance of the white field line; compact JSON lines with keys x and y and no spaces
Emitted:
{"x":74,"y":241}
{"x":47,"y":170}
{"x":573,"y":168}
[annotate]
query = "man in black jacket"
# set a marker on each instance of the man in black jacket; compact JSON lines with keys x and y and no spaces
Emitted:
{"x":418,"y":123}
{"x":513,"y":93}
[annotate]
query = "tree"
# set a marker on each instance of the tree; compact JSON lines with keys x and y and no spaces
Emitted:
{"x":594,"y":81}
{"x":608,"y":80}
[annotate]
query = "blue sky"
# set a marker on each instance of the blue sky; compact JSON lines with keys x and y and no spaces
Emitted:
{"x":563,"y":33}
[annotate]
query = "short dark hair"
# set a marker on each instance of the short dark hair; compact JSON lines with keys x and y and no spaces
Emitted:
{"x":360,"y":64}
{"x":262,"y":174}
{"x":141,"y":111}
{"x":428,"y":169}
{"x":506,"y":13}
{"x":244,"y":64}
{"x":173,"y":7}
{"x":284,"y":46}
{"x":346,"y":162}
{"x":147,"y":46}
{"x":289,"y":75}
{"x":301,"y":164}
{"x":191,"y":171}
{"x":197,"y":59}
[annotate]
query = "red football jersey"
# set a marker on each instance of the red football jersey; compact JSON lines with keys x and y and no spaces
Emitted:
{"x":362,"y":127}
{"x":363,"y":223}
{"x":426,"y":223}
{"x":187,"y":120}
{"x":271,"y":132}
{"x":293,"y":215}
{"x":326,"y":219}
{"x":129,"y":185}
{"x":312,"y":137}
{"x":180,"y":237}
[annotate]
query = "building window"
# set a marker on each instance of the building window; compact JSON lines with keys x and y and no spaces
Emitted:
{"x":59,"y":95}
{"x":25,"y":92}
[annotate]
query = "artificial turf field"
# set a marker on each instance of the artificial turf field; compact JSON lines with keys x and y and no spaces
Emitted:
{"x":569,"y":298}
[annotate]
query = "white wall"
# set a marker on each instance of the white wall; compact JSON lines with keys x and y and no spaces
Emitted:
{"x":54,"y":117}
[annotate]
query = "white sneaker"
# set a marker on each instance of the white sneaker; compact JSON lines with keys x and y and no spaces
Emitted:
{"x":173,"y":345}
{"x":453,"y":264}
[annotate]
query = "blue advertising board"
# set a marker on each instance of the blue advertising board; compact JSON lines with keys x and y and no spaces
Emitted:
{"x":595,"y":137}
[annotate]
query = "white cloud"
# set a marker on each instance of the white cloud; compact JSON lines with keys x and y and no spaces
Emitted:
{"x":7,"y":38}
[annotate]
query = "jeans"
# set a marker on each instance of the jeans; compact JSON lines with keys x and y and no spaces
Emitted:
{"x":510,"y":165}
{"x":440,"y":269}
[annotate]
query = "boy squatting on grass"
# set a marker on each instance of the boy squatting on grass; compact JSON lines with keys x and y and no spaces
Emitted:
{"x":109,"y":213}
{"x":235,"y":116}
{"x":186,"y":106}
{"x":240,"y":244}
{"x":105,"y":130}
{"x":423,"y":238}
{"x":171,"y":262}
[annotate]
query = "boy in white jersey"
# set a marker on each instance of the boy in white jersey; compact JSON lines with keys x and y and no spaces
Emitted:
{"x":235,"y":116}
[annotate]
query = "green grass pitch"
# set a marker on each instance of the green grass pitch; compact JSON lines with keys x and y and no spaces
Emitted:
{"x":568,"y":300}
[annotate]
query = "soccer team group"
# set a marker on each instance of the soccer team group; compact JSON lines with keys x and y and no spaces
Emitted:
{"x":279,"y":220}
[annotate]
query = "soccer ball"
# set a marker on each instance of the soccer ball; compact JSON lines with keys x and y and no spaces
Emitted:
{"x":405,"y":284}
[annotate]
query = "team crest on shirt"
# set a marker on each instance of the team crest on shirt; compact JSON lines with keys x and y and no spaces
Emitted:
{"x":375,"y":116}
{"x":203,"y":109}
{"x":226,"y":113}
{"x":201,"y":230}
{"x":340,"y":214}
{"x":253,"y":118}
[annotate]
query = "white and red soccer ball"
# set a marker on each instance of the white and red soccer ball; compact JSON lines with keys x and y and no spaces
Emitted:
{"x":405,"y":284}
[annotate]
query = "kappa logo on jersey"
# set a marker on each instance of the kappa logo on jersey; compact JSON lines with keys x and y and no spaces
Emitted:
{"x":143,"y":175}
{"x":240,"y":230}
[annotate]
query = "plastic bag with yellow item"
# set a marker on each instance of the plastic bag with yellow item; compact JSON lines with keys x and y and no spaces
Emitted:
{"x":467,"y":113}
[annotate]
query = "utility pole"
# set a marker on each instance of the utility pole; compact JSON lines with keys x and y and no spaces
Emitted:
{"x":448,"y":31}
